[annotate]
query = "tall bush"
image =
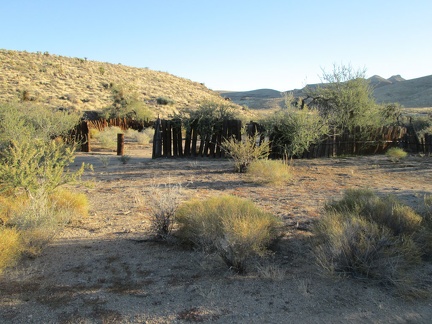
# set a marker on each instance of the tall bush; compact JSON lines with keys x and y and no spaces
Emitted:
{"x":294,"y":130}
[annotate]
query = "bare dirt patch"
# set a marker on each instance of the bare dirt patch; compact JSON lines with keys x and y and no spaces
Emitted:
{"x":107,"y":268}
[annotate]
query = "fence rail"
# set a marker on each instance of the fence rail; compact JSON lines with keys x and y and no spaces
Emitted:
{"x":170,"y":140}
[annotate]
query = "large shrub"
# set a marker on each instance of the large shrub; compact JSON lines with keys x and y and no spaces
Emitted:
{"x":33,"y":165}
{"x":232,"y":227}
{"x":293,"y":130}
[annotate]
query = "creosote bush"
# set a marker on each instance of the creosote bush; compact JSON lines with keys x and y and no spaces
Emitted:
{"x":245,"y":152}
{"x":269,"y":172}
{"x":367,"y":236}
{"x":232,"y":227}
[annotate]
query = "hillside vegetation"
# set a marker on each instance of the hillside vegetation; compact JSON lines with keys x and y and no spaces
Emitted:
{"x":414,"y":93}
{"x":81,"y":84}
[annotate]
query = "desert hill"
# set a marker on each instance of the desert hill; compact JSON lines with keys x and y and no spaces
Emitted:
{"x":82,"y":84}
{"x":409,"y":93}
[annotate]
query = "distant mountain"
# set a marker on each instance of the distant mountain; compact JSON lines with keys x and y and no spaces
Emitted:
{"x":409,"y":93}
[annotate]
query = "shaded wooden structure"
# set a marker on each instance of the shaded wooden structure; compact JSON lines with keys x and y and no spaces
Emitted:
{"x":168,"y":140}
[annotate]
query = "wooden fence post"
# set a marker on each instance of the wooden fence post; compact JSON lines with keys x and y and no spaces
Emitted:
{"x":120,"y":144}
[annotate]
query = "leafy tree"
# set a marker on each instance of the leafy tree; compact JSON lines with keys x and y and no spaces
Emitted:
{"x":346,"y":100}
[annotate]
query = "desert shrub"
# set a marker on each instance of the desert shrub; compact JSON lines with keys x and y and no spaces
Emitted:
{"x":245,"y":151}
{"x":139,"y":137}
{"x":10,"y":247}
{"x":270,"y":172}
{"x":36,"y":166}
{"x":396,"y":153}
{"x":366,"y":236}
{"x":352,"y":245}
{"x":163,"y":202}
{"x":232,"y":227}
{"x":108,"y":137}
{"x":386,"y":211}
{"x":24,"y":122}
{"x":294,"y":130}
{"x":164,"y":101}
{"x":93,"y":132}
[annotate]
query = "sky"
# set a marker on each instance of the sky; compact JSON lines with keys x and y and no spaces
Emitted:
{"x":232,"y":45}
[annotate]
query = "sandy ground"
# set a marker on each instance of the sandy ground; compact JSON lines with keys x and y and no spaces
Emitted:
{"x":108,"y":269}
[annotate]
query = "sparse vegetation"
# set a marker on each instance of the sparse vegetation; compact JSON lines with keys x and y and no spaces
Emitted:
{"x":163,"y":202}
{"x":246,"y":151}
{"x":232,"y":227}
{"x":52,"y":79}
{"x":396,"y":153}
{"x":10,"y":247}
{"x":33,"y":167}
{"x":366,"y":236}
{"x":269,"y":172}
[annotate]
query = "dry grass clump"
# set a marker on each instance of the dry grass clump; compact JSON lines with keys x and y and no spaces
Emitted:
{"x":73,"y":206}
{"x":10,"y":205}
{"x":269,"y":172}
{"x":365,"y":236}
{"x":396,"y":153}
{"x":10,"y":247}
{"x":163,"y":202}
{"x":232,"y":227}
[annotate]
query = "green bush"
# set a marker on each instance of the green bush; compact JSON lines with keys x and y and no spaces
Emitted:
{"x":366,"y":236}
{"x":25,"y":122}
{"x":108,"y":137}
{"x":246,"y":151}
{"x":396,"y":153}
{"x":386,"y":211}
{"x":293,"y":131}
{"x":232,"y":227}
{"x":352,"y":245}
{"x":164,"y":101}
{"x":269,"y":172}
{"x":36,"y":167}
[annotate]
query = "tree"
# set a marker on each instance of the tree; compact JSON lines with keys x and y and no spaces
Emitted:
{"x":346,"y":100}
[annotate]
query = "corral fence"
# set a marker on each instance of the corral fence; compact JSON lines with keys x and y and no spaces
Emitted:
{"x":171,"y":141}
{"x":81,"y":133}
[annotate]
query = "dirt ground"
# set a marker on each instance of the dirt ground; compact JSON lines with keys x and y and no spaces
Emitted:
{"x":108,"y":269}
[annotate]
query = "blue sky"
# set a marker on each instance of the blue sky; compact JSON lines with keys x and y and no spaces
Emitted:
{"x":230,"y":45}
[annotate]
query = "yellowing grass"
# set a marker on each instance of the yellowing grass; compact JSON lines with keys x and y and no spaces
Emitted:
{"x":269,"y":172}
{"x":10,"y":247}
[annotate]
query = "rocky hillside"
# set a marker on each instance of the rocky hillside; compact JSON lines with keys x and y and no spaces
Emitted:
{"x":81,"y":84}
{"x":414,"y":93}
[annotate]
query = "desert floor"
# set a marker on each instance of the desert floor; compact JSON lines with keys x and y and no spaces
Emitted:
{"x":108,"y":269}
